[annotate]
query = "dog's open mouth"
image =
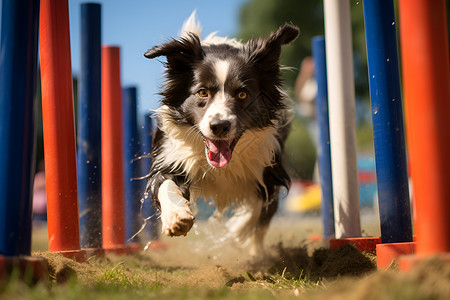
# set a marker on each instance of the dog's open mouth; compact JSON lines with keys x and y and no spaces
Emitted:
{"x":219,"y":152}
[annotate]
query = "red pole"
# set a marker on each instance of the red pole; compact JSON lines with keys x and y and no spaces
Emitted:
{"x":112,"y":153}
{"x":426,"y":78}
{"x":59,"y":130}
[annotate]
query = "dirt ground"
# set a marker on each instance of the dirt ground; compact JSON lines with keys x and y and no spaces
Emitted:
{"x":295,"y":264}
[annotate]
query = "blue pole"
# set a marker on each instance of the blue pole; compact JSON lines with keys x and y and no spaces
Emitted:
{"x":323,"y":146}
{"x":387,"y":118}
{"x":89,"y":129}
{"x":149,"y":212}
{"x":18,"y":70}
{"x":134,"y":190}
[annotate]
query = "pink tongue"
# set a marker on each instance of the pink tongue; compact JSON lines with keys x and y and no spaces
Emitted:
{"x":219,"y":153}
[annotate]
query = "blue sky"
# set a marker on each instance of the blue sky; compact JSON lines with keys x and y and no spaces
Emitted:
{"x":137,"y":25}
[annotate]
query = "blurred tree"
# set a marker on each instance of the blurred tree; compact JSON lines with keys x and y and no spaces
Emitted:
{"x":300,"y":152}
{"x":259,"y":17}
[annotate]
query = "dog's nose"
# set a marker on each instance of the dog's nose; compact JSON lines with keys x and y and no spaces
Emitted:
{"x":220,"y":127}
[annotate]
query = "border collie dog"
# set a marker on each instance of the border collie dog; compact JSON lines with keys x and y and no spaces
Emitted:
{"x":220,"y":130}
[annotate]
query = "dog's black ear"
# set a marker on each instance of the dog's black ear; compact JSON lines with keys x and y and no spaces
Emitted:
{"x":284,"y":35}
{"x":267,"y":50}
{"x":185,"y":49}
{"x":182,"y":54}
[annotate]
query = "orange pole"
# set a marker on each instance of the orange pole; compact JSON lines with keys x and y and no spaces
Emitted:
{"x":426,"y":78}
{"x":59,"y":130}
{"x":113,"y":205}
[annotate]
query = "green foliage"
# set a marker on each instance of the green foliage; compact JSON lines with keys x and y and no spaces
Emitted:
{"x":300,"y":152}
{"x":259,"y":17}
{"x":364,"y":138}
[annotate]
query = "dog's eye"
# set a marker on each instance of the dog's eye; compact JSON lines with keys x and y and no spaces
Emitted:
{"x":203,"y":93}
{"x":242,"y":95}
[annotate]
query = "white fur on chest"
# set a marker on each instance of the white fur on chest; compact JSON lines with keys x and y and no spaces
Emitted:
{"x":238,"y":182}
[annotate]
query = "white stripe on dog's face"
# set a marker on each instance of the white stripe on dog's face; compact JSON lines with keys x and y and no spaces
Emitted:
{"x":221,"y":70}
{"x":219,"y":110}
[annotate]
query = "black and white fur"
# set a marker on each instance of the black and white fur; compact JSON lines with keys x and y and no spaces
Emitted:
{"x":221,"y":130}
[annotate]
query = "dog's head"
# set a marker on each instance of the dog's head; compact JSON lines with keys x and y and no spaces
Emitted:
{"x":223,"y":89}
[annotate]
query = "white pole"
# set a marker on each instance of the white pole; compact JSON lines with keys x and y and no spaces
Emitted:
{"x":341,"y":105}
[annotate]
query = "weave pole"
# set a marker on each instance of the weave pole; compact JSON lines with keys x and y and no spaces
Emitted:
{"x":89,"y":128}
{"x":426,"y":77}
{"x":112,"y":153}
{"x":134,"y":190}
{"x":324,"y":155}
{"x":18,"y":61}
{"x":341,"y":101}
{"x":389,"y":140}
{"x":59,"y":131}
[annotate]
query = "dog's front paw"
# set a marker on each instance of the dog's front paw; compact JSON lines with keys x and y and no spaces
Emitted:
{"x":177,"y":221}
{"x":176,"y":215}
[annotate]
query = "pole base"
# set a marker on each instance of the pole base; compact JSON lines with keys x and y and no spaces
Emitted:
{"x":83,"y":254}
{"x":134,"y":247}
{"x":390,"y":252}
{"x":31,"y":269}
{"x":157,"y":245}
{"x":363,"y":244}
{"x":130,"y":248}
{"x":407,"y":262}
{"x":76,"y":255}
{"x":91,"y":252}
{"x":118,"y":249}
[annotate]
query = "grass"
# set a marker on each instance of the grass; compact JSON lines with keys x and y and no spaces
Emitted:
{"x":126,"y":280}
{"x":116,"y":283}
{"x":188,"y":270}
